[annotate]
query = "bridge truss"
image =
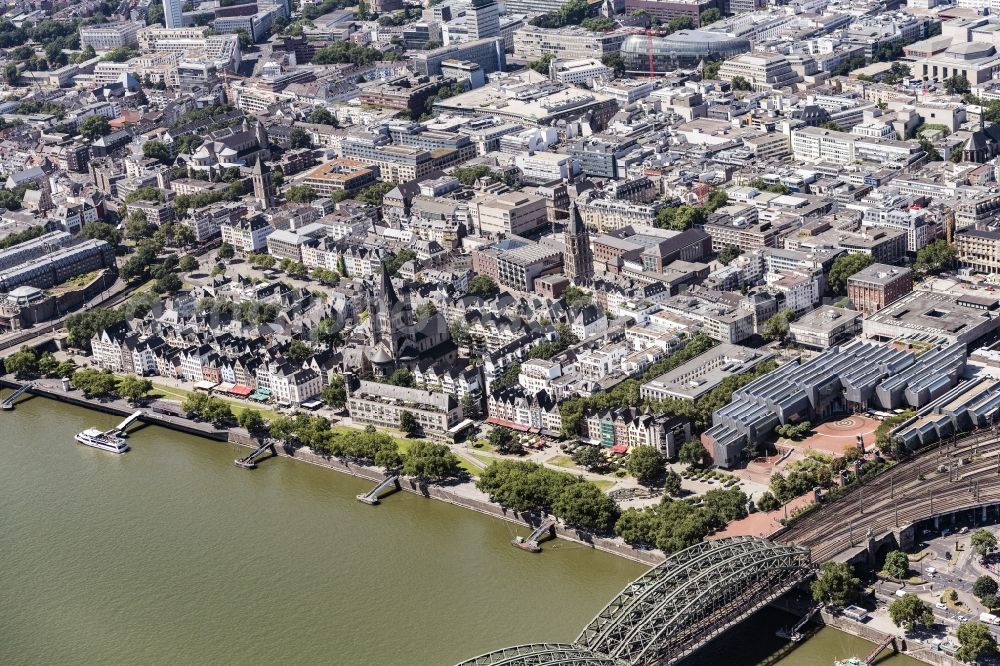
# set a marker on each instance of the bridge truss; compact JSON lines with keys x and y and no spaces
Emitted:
{"x":675,"y":608}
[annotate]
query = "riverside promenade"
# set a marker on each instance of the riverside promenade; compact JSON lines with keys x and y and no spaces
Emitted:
{"x":461,"y":493}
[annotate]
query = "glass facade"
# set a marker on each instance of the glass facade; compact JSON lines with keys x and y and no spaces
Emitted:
{"x":682,"y":50}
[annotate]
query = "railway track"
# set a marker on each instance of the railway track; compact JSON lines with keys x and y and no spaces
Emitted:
{"x":959,"y":474}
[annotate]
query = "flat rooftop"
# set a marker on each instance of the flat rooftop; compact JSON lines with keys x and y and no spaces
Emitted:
{"x":704,"y":372}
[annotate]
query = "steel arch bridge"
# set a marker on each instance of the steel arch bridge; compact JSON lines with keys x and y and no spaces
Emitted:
{"x":675,"y":607}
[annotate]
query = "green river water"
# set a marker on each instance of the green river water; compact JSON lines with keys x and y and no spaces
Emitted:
{"x":170,"y":554}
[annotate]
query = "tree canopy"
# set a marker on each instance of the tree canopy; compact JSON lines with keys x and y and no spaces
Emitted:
{"x":844,"y":267}
{"x":835,"y":584}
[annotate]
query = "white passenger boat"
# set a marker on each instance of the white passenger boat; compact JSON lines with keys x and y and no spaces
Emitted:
{"x":105,"y":441}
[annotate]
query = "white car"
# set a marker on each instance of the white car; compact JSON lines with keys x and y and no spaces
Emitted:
{"x":940,"y":606}
{"x":931,"y":571}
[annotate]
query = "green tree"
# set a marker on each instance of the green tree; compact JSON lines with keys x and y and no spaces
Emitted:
{"x":647,"y":465}
{"x":120,"y":54}
{"x":910,"y":611}
{"x":483,"y":285}
{"x":22,"y":363}
{"x":47,"y":364}
{"x":542,"y":64}
{"x":835,"y":585}
{"x":321,"y":116}
{"x":693,"y":453}
{"x":298,"y":352}
{"x":401,"y":377}
{"x":246,"y":41}
{"x":226,"y":251}
{"x":638,"y":527}
{"x":672,"y":483}
{"x":590,"y":458}
{"x":740,"y":83}
{"x":95,"y":383}
{"x":576,"y":298}
{"x":167,"y":283}
{"x":503,"y":440}
{"x":710,"y":15}
{"x":134,"y":389}
{"x":95,"y":126}
{"x":844,"y":267}
{"x":388,"y":458}
{"x":768,"y":502}
{"x":218,"y":412}
{"x":711,"y":69}
{"x":425,"y":310}
{"x":573,"y":12}
{"x":300,"y":194}
{"x":975,"y":640}
{"x":299,"y":138}
{"x":65,"y":369}
{"x":897,"y":565}
{"x":335,"y":394}
{"x":935,"y":257}
{"x":431,"y":462}
{"x":156,"y":150}
{"x":252,"y":421}
{"x":408,"y":423}
{"x":728,"y":253}
{"x":11,"y":73}
{"x":616,"y":62}
{"x":374,"y":194}
{"x":187,"y":264}
{"x":957,"y":85}
{"x":598,"y":24}
{"x":776,"y":327}
{"x":984,"y":586}
{"x":984,"y":541}
{"x":680,"y":23}
{"x":585,"y":506}
{"x":933,"y":155}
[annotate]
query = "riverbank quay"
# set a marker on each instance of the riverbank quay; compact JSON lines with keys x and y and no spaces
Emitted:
{"x":462,"y":494}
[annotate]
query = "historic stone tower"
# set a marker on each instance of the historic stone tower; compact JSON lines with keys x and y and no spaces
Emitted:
{"x":263,"y":191}
{"x":578,"y":259}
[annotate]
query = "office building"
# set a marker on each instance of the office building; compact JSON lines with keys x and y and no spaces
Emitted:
{"x":173,"y":13}
{"x":872,"y":288}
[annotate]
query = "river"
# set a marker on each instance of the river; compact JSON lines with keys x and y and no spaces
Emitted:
{"x":171,"y":554}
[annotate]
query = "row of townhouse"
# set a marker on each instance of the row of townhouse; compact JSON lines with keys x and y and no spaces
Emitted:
{"x":122,"y":351}
{"x":521,"y":409}
{"x":627,"y":427}
{"x":459,"y":382}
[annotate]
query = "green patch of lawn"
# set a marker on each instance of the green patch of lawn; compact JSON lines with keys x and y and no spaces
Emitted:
{"x":469,"y":466}
{"x":562,"y":461}
{"x":482,"y":445}
{"x":179,"y":395}
{"x":603,"y":484}
{"x":486,"y":460}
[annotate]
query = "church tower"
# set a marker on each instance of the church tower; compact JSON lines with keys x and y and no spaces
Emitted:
{"x":578,"y":260}
{"x":263,"y":192}
{"x":391,"y":317}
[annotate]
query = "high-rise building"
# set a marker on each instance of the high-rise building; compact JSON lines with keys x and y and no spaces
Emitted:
{"x":173,"y":16}
{"x":263,"y":192}
{"x":483,"y":19}
{"x":578,"y":260}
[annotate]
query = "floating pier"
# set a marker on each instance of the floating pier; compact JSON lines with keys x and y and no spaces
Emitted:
{"x":530,"y":544}
{"x":372,"y":496}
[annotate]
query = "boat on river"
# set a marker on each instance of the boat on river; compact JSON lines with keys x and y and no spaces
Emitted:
{"x":105,"y":441}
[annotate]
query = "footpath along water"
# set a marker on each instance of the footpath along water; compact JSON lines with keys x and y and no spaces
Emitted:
{"x":171,"y":554}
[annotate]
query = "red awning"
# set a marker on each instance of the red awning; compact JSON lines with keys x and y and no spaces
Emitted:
{"x":619,"y":448}
{"x":239,"y":389}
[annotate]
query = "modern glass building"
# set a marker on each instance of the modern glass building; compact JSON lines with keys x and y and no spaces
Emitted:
{"x":684,"y":49}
